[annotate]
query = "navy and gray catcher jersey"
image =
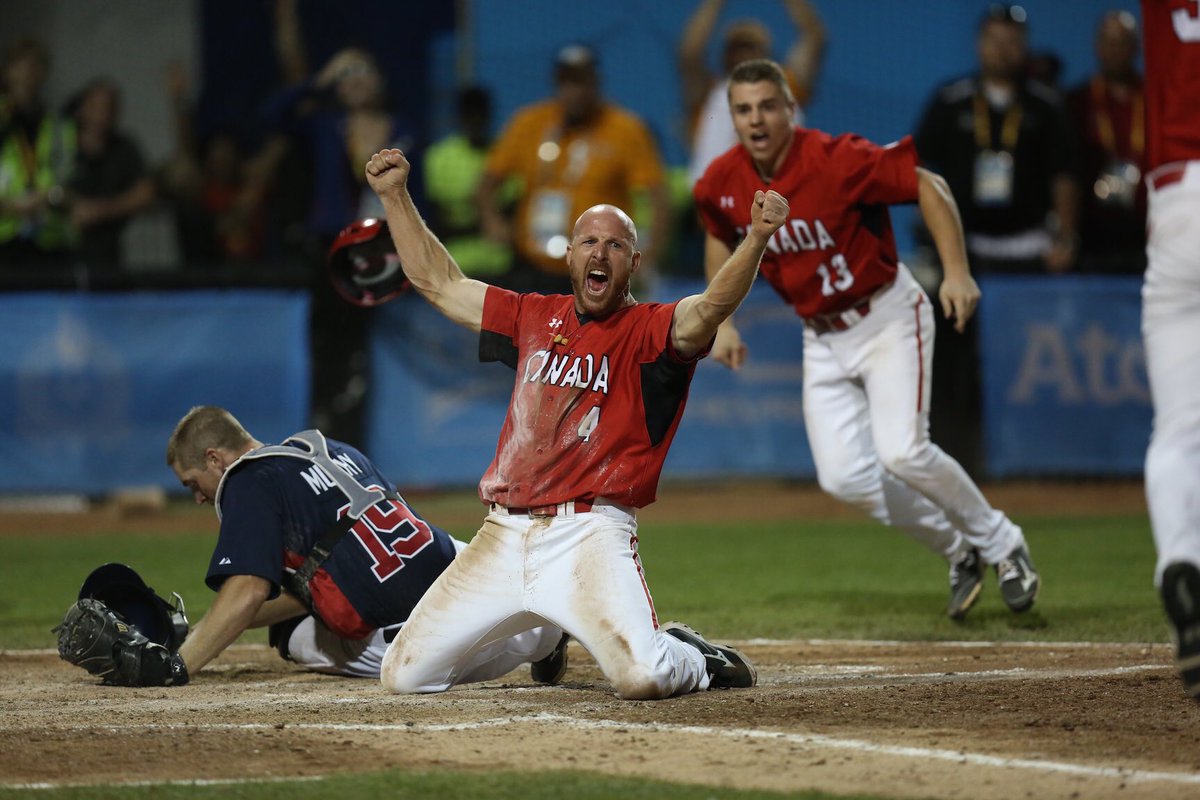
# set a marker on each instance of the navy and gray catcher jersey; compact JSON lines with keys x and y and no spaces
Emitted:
{"x":276,"y":502}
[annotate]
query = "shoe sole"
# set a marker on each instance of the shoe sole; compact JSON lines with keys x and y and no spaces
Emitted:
{"x":1024,"y":605}
{"x":746,"y":663}
{"x":958,"y":614}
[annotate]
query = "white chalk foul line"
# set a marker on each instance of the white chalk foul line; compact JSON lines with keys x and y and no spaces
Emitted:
{"x":810,"y":739}
{"x":867,"y":643}
{"x":136,"y":784}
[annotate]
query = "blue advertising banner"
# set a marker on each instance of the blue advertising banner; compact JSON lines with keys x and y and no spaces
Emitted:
{"x":1064,"y":375}
{"x":436,"y":412}
{"x":91,"y":386}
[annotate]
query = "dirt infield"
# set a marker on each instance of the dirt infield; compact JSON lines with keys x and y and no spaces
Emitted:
{"x":944,"y":720}
{"x":901,"y":720}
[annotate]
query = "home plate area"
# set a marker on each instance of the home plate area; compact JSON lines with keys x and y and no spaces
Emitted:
{"x":894,"y":719}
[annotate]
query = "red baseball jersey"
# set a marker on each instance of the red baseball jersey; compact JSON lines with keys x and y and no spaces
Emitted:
{"x":595,"y":405}
{"x":1171,"y":32}
{"x":837,"y":246}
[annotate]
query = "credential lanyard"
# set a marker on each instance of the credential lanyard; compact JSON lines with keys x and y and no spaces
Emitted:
{"x":1104,"y":123}
{"x":1010,"y":129}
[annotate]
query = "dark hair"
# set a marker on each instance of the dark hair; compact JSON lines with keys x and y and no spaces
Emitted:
{"x":474,"y":98}
{"x":75,"y":101}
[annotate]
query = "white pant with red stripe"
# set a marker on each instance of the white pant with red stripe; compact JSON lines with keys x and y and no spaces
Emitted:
{"x":314,"y":646}
{"x":1171,"y":332}
{"x":866,"y":412}
{"x":576,"y":571}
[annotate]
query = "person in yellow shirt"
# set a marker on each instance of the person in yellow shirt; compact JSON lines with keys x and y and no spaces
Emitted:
{"x":570,"y":152}
{"x":453,"y":170}
{"x":37,"y":148}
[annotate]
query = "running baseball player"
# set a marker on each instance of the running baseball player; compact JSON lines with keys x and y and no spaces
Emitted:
{"x":868,"y":326}
{"x":601,"y":382}
{"x":1171,"y":314}
{"x":316,"y":543}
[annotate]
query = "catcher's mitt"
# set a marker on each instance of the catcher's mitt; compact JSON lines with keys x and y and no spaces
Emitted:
{"x":95,"y":637}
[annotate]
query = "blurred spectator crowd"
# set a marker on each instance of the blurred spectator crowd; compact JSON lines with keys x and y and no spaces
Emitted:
{"x":1047,"y":178}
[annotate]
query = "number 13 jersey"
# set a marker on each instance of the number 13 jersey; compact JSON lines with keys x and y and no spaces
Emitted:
{"x":837,"y":246}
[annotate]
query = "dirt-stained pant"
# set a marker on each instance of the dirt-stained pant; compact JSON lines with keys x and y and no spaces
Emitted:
{"x":576,"y":571}
{"x":314,"y":646}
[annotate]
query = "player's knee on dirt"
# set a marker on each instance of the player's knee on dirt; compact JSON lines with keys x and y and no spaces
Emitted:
{"x":639,"y":682}
{"x":409,"y":680}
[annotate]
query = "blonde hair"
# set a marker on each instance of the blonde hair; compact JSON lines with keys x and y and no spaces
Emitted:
{"x":758,"y":70}
{"x":201,"y":428}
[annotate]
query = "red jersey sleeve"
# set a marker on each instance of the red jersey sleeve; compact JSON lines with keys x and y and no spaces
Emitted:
{"x":875,"y":175}
{"x":498,"y":340}
{"x":500,"y":308}
{"x":656,"y":336}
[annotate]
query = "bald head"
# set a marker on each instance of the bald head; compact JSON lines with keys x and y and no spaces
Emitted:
{"x":605,"y":210}
{"x":601,"y":258}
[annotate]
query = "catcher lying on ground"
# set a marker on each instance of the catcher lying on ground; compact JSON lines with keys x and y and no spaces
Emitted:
{"x":314,"y":542}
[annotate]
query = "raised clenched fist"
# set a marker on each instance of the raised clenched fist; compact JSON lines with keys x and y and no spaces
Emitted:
{"x":387,"y":172}
{"x":769,"y":212}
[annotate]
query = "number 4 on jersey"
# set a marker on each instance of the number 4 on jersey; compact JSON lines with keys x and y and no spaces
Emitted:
{"x":589,"y":423}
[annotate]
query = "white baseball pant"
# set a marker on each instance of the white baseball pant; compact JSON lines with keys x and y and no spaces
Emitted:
{"x":866,"y":412}
{"x":1171,"y":332}
{"x":314,"y":646}
{"x":576,"y":571}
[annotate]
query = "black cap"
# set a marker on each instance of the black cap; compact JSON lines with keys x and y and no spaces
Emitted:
{"x":1005,"y":12}
{"x":575,"y":59}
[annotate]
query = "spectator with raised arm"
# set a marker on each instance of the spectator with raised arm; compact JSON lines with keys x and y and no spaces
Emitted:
{"x":704,"y":92}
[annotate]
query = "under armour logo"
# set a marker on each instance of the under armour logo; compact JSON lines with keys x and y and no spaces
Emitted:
{"x":726,"y":201}
{"x":556,"y":323}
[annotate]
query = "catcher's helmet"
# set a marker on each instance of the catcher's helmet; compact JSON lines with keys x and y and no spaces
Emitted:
{"x":363,"y":264}
{"x":121,"y":589}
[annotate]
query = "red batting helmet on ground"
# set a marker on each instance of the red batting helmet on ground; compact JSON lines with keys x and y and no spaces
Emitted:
{"x":363,"y":264}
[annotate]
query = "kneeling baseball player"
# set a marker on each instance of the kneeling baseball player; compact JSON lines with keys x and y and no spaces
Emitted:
{"x":315,"y":543}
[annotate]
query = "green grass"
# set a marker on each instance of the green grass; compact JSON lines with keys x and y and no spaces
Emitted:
{"x":801,"y":579}
{"x":861,"y":580}
{"x":507,"y":785}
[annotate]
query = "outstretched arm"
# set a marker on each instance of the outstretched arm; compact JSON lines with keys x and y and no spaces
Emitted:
{"x":959,"y":293}
{"x":237,"y":604}
{"x":697,"y":317}
{"x":423,"y":257}
{"x":692,"y":47}
{"x":803,"y":59}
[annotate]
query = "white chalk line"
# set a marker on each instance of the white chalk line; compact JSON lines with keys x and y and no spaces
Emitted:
{"x":809,"y":739}
{"x":138,"y":784}
{"x":760,"y":642}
